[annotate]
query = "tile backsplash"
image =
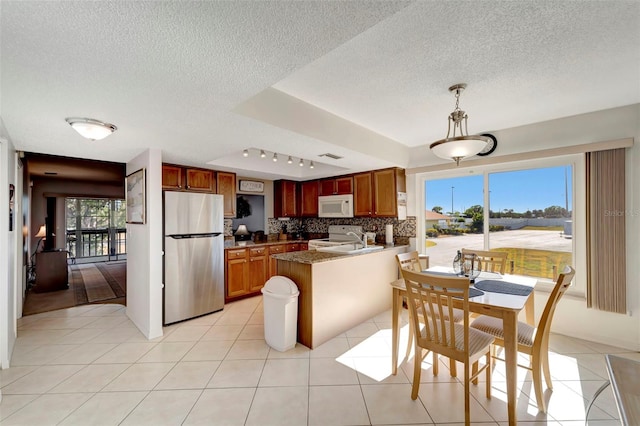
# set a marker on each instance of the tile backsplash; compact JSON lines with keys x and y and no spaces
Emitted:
{"x":402,"y":229}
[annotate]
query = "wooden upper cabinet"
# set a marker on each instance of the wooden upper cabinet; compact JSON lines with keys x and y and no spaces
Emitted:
{"x":285,"y":202}
{"x":171,"y":177}
{"x":336,"y":186}
{"x":227,"y":187}
{"x":376,"y":193}
{"x":344,"y":185}
{"x":326,"y":187}
{"x":363,"y":194}
{"x":309,"y":198}
{"x":386,"y":185}
{"x":200,"y":180}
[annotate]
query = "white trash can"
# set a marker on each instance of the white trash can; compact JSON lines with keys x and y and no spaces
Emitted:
{"x":280,"y":313}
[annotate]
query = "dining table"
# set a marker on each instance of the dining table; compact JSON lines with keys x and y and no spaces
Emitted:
{"x":504,"y":301}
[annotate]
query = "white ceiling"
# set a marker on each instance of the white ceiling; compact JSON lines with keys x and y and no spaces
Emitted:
{"x":363,"y":80}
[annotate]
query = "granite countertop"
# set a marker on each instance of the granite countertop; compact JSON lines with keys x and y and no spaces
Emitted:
{"x":242,"y":244}
{"x":313,"y":256}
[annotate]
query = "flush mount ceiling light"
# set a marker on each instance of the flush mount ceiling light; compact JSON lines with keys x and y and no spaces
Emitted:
{"x":460,"y":145}
{"x":90,"y":128}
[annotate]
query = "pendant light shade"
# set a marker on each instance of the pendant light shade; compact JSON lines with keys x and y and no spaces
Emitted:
{"x":91,"y":129}
{"x":458,"y":144}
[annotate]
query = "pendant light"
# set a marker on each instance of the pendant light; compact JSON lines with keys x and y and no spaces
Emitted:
{"x":459,"y":145}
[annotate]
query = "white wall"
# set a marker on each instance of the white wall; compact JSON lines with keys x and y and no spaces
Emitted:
{"x":8,"y":330}
{"x":572,"y":316}
{"x":144,"y":251}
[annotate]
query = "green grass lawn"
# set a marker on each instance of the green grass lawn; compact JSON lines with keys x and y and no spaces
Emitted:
{"x":535,"y":263}
{"x":542,"y":228}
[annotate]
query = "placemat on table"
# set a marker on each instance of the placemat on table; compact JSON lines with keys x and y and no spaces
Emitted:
{"x":473,"y":292}
{"x":499,"y":286}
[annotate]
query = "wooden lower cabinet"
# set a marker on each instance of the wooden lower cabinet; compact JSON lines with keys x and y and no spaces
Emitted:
{"x":248,"y":269}
{"x":258,"y":266}
{"x":273,"y":264}
{"x":235,"y":273}
{"x":245,"y":272}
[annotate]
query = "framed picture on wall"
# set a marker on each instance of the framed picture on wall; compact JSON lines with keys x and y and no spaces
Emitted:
{"x":136,"y":197}
{"x":251,"y":186}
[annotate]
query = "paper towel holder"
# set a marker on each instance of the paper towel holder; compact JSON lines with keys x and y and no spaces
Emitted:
{"x":389,"y":235}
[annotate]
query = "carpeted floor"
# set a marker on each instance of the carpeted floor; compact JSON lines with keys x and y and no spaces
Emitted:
{"x":104,"y":282}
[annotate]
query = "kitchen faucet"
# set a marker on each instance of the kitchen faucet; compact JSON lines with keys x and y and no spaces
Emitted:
{"x":364,"y":238}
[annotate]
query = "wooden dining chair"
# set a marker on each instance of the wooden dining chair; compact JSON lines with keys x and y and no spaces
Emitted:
{"x":432,"y":296}
{"x":490,"y":261}
{"x":533,"y":341}
{"x":411,"y":261}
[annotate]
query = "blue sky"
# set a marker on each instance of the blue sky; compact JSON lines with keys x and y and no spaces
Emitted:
{"x":520,"y":190}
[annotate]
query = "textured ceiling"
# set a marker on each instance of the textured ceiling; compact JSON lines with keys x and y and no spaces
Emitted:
{"x":363,"y":80}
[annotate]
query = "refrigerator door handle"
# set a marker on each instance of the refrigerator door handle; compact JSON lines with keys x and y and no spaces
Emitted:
{"x":185,"y":236}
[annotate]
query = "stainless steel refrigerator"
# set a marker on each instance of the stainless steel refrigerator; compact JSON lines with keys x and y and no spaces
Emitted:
{"x":193,"y":255}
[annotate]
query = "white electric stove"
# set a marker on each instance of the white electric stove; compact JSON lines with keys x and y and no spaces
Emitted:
{"x":337,"y":236}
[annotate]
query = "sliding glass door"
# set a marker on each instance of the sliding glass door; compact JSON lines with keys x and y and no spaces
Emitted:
{"x":95,"y":228}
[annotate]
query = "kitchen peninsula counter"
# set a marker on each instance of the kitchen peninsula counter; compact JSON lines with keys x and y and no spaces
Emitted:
{"x":228,"y":244}
{"x":338,"y":291}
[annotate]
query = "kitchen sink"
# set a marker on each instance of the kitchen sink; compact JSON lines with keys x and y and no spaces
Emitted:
{"x":350,"y":249}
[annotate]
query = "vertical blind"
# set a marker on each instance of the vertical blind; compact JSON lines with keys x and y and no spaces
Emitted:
{"x":606,"y":254}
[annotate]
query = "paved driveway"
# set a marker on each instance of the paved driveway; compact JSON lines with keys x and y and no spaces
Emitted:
{"x":444,"y":250}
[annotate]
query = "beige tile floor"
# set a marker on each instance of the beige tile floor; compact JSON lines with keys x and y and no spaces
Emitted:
{"x":89,"y":365}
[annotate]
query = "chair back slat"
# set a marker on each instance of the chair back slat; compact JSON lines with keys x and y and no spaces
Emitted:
{"x":562,"y":284}
{"x":490,"y":261}
{"x":410,"y":260}
{"x":431,"y":297}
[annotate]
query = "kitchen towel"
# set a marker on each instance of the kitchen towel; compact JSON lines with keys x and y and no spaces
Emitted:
{"x":389,"y":234}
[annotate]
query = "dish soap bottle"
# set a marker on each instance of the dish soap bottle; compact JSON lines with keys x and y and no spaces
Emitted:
{"x":457,"y":263}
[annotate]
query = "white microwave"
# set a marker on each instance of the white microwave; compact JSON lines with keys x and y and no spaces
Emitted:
{"x":335,"y":206}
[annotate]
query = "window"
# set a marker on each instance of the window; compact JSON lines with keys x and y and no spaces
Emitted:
{"x":95,"y":227}
{"x":525,"y":209}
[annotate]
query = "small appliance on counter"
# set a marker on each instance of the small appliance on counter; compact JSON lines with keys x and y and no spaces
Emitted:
{"x":259,"y":237}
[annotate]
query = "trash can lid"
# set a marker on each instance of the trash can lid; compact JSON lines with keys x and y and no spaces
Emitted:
{"x":280,"y":285}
